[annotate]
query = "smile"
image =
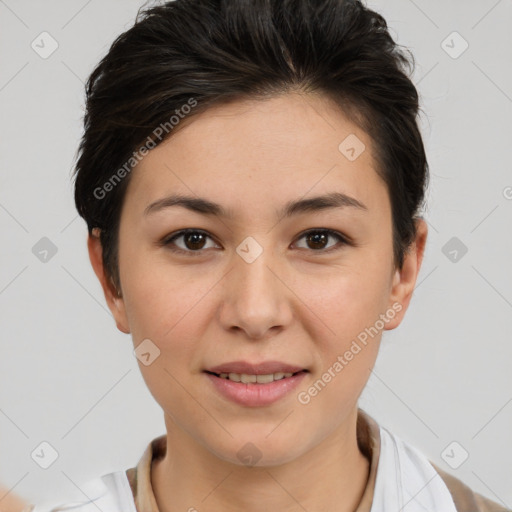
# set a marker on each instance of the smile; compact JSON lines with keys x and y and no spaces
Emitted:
{"x":255,"y":390}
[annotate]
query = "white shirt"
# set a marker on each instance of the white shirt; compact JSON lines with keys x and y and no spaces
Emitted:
{"x":401,"y":479}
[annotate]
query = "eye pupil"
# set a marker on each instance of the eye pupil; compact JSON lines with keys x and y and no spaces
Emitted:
{"x":315,"y":238}
{"x":195,"y":237}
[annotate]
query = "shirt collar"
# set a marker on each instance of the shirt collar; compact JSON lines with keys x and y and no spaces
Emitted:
{"x":368,"y":437}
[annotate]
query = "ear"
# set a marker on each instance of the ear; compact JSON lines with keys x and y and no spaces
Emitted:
{"x":114,"y":301}
{"x":404,"y":280}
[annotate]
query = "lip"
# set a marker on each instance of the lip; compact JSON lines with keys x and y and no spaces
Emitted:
{"x":254,"y":394}
{"x":263,"y":368}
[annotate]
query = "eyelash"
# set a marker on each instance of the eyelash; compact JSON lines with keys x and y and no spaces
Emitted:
{"x":343,"y":240}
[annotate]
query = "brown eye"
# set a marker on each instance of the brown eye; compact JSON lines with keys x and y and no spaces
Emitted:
{"x":318,"y":239}
{"x":194,"y":242}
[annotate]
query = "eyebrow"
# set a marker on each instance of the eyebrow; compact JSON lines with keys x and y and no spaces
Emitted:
{"x":206,"y":207}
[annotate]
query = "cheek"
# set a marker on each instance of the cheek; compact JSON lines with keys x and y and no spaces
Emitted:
{"x":159,"y":297}
{"x":347,"y":300}
{"x":168,"y":312}
{"x":347,"y":337}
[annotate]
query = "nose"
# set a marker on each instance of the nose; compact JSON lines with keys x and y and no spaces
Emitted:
{"x":256,"y":299}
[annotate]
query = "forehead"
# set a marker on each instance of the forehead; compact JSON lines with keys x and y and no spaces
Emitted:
{"x":282,"y":146}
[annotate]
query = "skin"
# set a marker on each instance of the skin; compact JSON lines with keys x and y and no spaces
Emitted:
{"x":11,"y":502}
{"x":294,"y":303}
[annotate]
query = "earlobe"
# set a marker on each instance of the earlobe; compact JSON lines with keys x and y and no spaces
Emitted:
{"x":114,"y":301}
{"x":404,"y":279}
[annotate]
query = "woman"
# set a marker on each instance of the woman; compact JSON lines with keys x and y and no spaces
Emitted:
{"x":251,"y":174}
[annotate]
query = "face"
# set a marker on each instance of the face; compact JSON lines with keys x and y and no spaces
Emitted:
{"x":313,"y":289}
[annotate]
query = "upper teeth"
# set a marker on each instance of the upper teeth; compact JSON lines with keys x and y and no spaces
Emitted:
{"x":261,"y":379}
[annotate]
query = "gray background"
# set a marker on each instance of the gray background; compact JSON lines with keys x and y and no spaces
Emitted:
{"x":69,"y":377}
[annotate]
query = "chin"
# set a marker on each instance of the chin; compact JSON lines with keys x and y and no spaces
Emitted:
{"x":257,"y":450}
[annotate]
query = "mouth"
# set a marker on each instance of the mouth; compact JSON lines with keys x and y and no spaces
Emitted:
{"x":246,"y":378}
{"x":261,"y":389}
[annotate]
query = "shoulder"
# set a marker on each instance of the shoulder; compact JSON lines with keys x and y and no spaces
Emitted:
{"x":403,"y":468}
{"x":108,"y":493}
{"x":464,"y":498}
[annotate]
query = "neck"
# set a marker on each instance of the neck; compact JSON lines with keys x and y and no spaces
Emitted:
{"x":330,"y":476}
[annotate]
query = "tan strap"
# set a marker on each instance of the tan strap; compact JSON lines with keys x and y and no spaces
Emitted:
{"x":464,"y":498}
